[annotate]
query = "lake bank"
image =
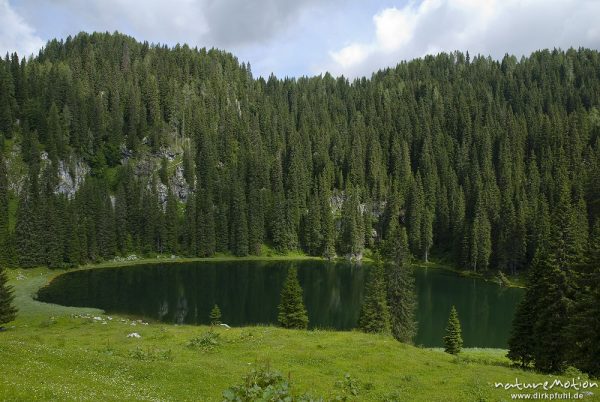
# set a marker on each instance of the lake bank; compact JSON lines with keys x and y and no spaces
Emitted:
{"x":62,"y":353}
{"x":510,"y":281}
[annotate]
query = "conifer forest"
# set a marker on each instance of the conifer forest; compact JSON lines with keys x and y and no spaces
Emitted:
{"x":111,"y":147}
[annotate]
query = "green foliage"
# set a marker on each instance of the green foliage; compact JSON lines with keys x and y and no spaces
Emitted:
{"x":8,"y":312}
{"x":348,"y":389}
{"x":375,"y":314}
{"x":215,"y":315}
{"x":261,"y":384}
{"x":272,"y":163}
{"x":206,"y":342}
{"x":401,"y":293}
{"x":309,"y":164}
{"x":292,"y":313}
{"x":453,"y":339}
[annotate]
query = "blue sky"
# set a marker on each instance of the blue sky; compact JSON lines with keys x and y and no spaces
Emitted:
{"x":309,"y":37}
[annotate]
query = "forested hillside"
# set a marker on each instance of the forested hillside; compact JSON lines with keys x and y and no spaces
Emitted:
{"x":112,"y":147}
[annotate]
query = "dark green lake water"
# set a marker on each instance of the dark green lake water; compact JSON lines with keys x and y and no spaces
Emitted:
{"x":248,"y":293}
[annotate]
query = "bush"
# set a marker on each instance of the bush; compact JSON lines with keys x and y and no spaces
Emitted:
{"x":260,"y":385}
{"x":207,"y":341}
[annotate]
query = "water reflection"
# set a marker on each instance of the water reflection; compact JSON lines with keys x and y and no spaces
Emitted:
{"x":248,"y":293}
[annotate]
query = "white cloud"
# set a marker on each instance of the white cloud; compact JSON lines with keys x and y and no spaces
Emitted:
{"x":488,"y":27}
{"x":15,"y":34}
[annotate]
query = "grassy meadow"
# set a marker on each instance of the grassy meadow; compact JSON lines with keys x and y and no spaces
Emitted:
{"x":62,"y":353}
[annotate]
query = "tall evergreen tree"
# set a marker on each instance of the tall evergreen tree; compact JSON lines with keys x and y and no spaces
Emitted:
{"x":4,"y":232}
{"x":8,"y":312}
{"x":215,"y":315}
{"x":292,"y":313}
{"x":239,"y":221}
{"x":556,"y":282}
{"x":374,"y":314}
{"x":352,"y":237}
{"x":453,"y":339}
{"x":584,"y":327}
{"x":172,"y":224}
{"x":401,"y":295}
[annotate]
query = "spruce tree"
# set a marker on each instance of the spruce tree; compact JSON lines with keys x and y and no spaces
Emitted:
{"x":556,"y":282}
{"x":401,"y":296}
{"x":8,"y":312}
{"x":292,"y":313}
{"x":521,"y":343}
{"x":215,"y":315}
{"x":314,"y":233}
{"x":327,"y":223}
{"x":374,"y":314}
{"x":172,"y":224}
{"x":584,"y":326}
{"x":239,"y":221}
{"x":4,"y":233}
{"x":352,"y":239}
{"x":453,"y":340}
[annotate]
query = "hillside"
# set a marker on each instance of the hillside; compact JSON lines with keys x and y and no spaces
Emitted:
{"x":112,"y":146}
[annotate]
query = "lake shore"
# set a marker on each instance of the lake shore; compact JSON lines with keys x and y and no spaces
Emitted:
{"x":508,"y":281}
{"x":54,"y":352}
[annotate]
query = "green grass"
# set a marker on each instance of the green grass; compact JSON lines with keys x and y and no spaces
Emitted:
{"x":219,"y":257}
{"x":62,"y":353}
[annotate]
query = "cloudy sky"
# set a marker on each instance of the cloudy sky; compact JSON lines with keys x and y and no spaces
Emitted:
{"x":308,"y":37}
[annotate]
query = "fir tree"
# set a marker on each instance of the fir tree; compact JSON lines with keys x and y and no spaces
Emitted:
{"x":215,"y":315}
{"x":374,"y":314}
{"x":172,"y":224}
{"x":401,"y":296}
{"x":314,"y":234}
{"x":7,"y":310}
{"x":4,"y":233}
{"x":292,"y":313}
{"x":327,"y":224}
{"x":521,"y":343}
{"x":453,"y":340}
{"x":352,"y":239}
{"x":556,"y":283}
{"x":239,"y":222}
{"x":584,"y":327}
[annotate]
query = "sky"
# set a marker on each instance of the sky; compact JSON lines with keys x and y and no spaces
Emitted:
{"x":296,"y":38}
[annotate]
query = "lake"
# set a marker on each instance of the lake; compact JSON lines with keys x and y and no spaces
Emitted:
{"x":248,"y":293}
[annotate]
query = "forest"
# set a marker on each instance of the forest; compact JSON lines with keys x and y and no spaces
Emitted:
{"x":111,"y":147}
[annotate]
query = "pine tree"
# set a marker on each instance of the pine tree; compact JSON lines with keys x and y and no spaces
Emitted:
{"x":314,"y":234}
{"x":215,"y":315}
{"x":256,"y":220}
{"x":7,"y":310}
{"x":352,"y":239}
{"x":374,"y":314}
{"x":239,"y":221}
{"x":416,"y":214}
{"x":292,"y":313}
{"x":27,"y":231}
{"x":556,"y":294}
{"x":172,"y":224}
{"x":401,"y":296}
{"x":521,"y":344}
{"x":584,"y":326}
{"x":327,"y":223}
{"x":4,"y":233}
{"x":453,"y":340}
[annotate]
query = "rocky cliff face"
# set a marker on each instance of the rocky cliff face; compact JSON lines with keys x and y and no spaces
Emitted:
{"x":149,"y":164}
{"x":73,"y":172}
{"x":71,"y":177}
